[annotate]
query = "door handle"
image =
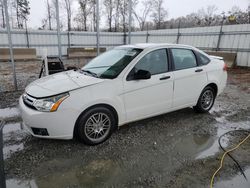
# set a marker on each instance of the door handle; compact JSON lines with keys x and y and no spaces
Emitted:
{"x":198,"y":70}
{"x":165,"y":77}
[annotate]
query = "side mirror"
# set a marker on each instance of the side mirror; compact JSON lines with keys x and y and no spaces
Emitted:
{"x":142,"y":75}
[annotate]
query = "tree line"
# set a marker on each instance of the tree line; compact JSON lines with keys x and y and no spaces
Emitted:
{"x":80,"y":15}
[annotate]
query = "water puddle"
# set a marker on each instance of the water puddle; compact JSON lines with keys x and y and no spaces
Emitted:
{"x":236,"y":181}
{"x":97,"y":173}
{"x":9,"y":112}
{"x":199,"y":146}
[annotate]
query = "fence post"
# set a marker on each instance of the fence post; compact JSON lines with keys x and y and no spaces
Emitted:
{"x":58,"y":30}
{"x":178,"y":34}
{"x":2,"y":175}
{"x":68,"y":39}
{"x":147,"y":34}
{"x":124,"y":38}
{"x":10,"y":42}
{"x":220,"y":34}
{"x":97,"y":28}
{"x":129,"y":21}
{"x":27,"y":34}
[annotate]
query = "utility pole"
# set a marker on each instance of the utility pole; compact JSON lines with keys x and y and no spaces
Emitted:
{"x":58,"y":30}
{"x":129,"y":20}
{"x":10,"y":43}
{"x":97,"y":28}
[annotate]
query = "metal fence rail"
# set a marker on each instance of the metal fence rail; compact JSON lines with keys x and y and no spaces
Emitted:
{"x":234,"y":38}
{"x":2,"y":174}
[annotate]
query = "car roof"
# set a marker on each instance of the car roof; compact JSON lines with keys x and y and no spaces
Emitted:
{"x":154,"y":45}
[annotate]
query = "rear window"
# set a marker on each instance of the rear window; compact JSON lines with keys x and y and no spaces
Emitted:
{"x":204,"y":60}
{"x":183,"y":58}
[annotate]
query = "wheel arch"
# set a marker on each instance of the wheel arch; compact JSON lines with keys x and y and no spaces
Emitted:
{"x":108,"y":106}
{"x":214,"y":86}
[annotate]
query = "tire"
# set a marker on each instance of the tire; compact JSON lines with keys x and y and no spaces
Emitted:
{"x":206,"y":100}
{"x":95,"y":126}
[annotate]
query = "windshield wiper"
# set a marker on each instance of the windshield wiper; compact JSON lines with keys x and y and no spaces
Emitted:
{"x":90,"y":73}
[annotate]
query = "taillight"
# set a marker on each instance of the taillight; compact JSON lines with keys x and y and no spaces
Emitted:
{"x":225,"y":67}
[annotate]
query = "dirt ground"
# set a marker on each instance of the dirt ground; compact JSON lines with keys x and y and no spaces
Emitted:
{"x":179,"y":149}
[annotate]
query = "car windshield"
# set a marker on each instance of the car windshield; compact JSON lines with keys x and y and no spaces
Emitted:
{"x":111,"y":63}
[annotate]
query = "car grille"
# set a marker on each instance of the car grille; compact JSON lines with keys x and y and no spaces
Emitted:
{"x":28,"y":101}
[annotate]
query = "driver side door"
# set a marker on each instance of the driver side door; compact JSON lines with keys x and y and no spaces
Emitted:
{"x":148,"y":97}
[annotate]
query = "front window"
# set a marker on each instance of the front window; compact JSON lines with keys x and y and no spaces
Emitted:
{"x":110,"y":64}
{"x":155,"y":62}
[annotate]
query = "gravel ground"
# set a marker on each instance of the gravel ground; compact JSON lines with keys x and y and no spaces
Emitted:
{"x":179,"y":149}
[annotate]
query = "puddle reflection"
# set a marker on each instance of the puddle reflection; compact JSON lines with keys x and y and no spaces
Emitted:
{"x":200,"y":146}
{"x":98,"y":173}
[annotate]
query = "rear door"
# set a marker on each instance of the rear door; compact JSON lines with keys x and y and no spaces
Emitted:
{"x":152,"y":96}
{"x":190,"y":78}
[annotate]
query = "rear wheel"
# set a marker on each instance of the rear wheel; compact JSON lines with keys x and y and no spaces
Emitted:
{"x":95,"y":126}
{"x":206,"y":100}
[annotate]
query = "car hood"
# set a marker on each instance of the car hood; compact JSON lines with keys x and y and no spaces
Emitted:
{"x":59,"y":83}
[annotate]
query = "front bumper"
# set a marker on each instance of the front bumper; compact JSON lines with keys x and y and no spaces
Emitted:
{"x":59,"y":124}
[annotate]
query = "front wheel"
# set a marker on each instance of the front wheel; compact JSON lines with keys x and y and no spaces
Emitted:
{"x":206,"y":100}
{"x":95,"y":126}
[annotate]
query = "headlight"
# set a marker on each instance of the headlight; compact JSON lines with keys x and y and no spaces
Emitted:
{"x":50,"y":104}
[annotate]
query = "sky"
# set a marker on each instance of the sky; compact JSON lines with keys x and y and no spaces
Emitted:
{"x":176,"y":8}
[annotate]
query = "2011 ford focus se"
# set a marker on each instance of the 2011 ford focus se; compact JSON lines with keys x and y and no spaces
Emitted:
{"x":125,"y":84}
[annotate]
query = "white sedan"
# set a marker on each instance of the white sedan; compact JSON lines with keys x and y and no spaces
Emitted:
{"x":125,"y":84}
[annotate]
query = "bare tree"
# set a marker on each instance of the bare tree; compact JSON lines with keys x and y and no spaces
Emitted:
{"x":159,"y":13}
{"x":109,"y":9}
{"x":15,"y":5}
{"x":124,"y":12}
{"x":92,"y":5}
{"x":68,"y":8}
{"x":22,"y":12}
{"x":49,"y":13}
{"x":83,"y":14}
{"x":2,"y":14}
{"x":207,"y":15}
{"x":117,"y":14}
{"x":49,"y":21}
{"x":248,"y":13}
{"x":143,"y":13}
